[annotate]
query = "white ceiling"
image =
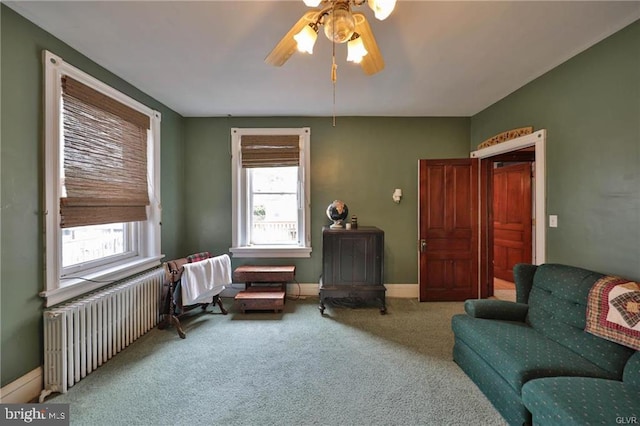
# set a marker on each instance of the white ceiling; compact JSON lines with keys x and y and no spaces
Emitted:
{"x":448,"y":58}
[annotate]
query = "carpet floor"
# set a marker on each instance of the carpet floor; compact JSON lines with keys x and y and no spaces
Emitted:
{"x":349,"y":367}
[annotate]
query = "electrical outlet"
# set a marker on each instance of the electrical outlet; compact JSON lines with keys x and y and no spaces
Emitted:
{"x":553,"y":221}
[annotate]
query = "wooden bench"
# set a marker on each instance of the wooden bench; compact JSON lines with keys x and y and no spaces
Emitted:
{"x":262,"y":296}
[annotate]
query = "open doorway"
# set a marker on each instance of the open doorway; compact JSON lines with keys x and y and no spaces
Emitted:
{"x":511,"y":217}
{"x":530,"y":150}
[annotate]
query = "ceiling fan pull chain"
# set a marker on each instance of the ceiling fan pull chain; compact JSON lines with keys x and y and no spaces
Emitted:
{"x":334,"y":73}
{"x":334,"y":78}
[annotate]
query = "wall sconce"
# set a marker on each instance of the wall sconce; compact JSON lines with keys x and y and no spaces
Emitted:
{"x":397,"y":195}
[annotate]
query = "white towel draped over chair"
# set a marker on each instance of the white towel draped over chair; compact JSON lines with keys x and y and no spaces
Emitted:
{"x":203,"y":280}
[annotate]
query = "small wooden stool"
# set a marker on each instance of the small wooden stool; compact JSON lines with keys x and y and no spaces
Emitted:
{"x":261,"y":300}
{"x":262,"y":297}
{"x":250,"y":274}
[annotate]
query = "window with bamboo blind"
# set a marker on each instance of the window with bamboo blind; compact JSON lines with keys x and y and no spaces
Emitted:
{"x":105,"y":158}
{"x":102,"y":183}
{"x":270,"y":192}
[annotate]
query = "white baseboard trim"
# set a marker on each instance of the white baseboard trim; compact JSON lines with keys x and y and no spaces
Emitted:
{"x":24,"y":389}
{"x":407,"y":291}
{"x":403,"y":291}
{"x":393,"y":290}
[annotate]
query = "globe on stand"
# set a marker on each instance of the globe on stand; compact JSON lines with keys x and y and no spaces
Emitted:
{"x":337,"y":212}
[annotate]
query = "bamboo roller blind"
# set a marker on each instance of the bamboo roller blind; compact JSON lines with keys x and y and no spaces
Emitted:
{"x":105,"y":158}
{"x":270,"y":150}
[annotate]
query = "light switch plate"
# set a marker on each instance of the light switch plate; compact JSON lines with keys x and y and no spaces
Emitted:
{"x":553,"y":221}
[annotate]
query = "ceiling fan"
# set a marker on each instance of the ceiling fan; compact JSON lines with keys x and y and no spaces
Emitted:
{"x":341,"y":25}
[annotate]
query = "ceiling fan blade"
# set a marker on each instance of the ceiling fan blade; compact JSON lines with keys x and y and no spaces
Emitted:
{"x":287,"y":45}
{"x":372,"y":62}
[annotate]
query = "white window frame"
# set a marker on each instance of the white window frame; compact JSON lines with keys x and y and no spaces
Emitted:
{"x":147,"y":234}
{"x":240,"y":210}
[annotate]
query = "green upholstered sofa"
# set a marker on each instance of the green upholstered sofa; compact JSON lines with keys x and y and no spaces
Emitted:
{"x":533,"y":355}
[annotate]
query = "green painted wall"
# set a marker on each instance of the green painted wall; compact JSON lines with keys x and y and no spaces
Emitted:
{"x":360,"y":161}
{"x":590,"y":106}
{"x":22,"y":250}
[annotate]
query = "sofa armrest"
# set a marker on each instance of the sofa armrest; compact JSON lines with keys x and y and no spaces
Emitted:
{"x":496,"y":309}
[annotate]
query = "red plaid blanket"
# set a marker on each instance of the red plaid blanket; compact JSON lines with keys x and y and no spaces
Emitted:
{"x":197,"y":257}
{"x":613,"y":311}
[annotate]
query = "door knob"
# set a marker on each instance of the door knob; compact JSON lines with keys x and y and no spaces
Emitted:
{"x":423,"y":244}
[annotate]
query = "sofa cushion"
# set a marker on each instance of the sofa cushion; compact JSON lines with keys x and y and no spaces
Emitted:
{"x":523,"y":274}
{"x":557,"y":309}
{"x":631,"y":375}
{"x":518,"y":353}
{"x":581,"y":401}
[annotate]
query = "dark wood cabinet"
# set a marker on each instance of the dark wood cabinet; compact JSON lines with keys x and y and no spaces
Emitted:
{"x":352,"y":267}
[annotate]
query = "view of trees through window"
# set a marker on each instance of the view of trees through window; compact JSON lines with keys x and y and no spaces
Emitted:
{"x":274,"y":203}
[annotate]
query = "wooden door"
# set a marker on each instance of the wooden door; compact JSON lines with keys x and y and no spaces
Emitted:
{"x":448,"y":227}
{"x":511,"y":218}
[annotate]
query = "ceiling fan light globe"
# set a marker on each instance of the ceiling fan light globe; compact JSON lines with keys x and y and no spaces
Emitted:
{"x":356,"y":50}
{"x":306,"y":39}
{"x":339,"y":26}
{"x":312,"y":3}
{"x":382,"y":8}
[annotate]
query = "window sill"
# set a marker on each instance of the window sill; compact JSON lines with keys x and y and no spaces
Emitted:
{"x":271,"y":251}
{"x":68,"y":289}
